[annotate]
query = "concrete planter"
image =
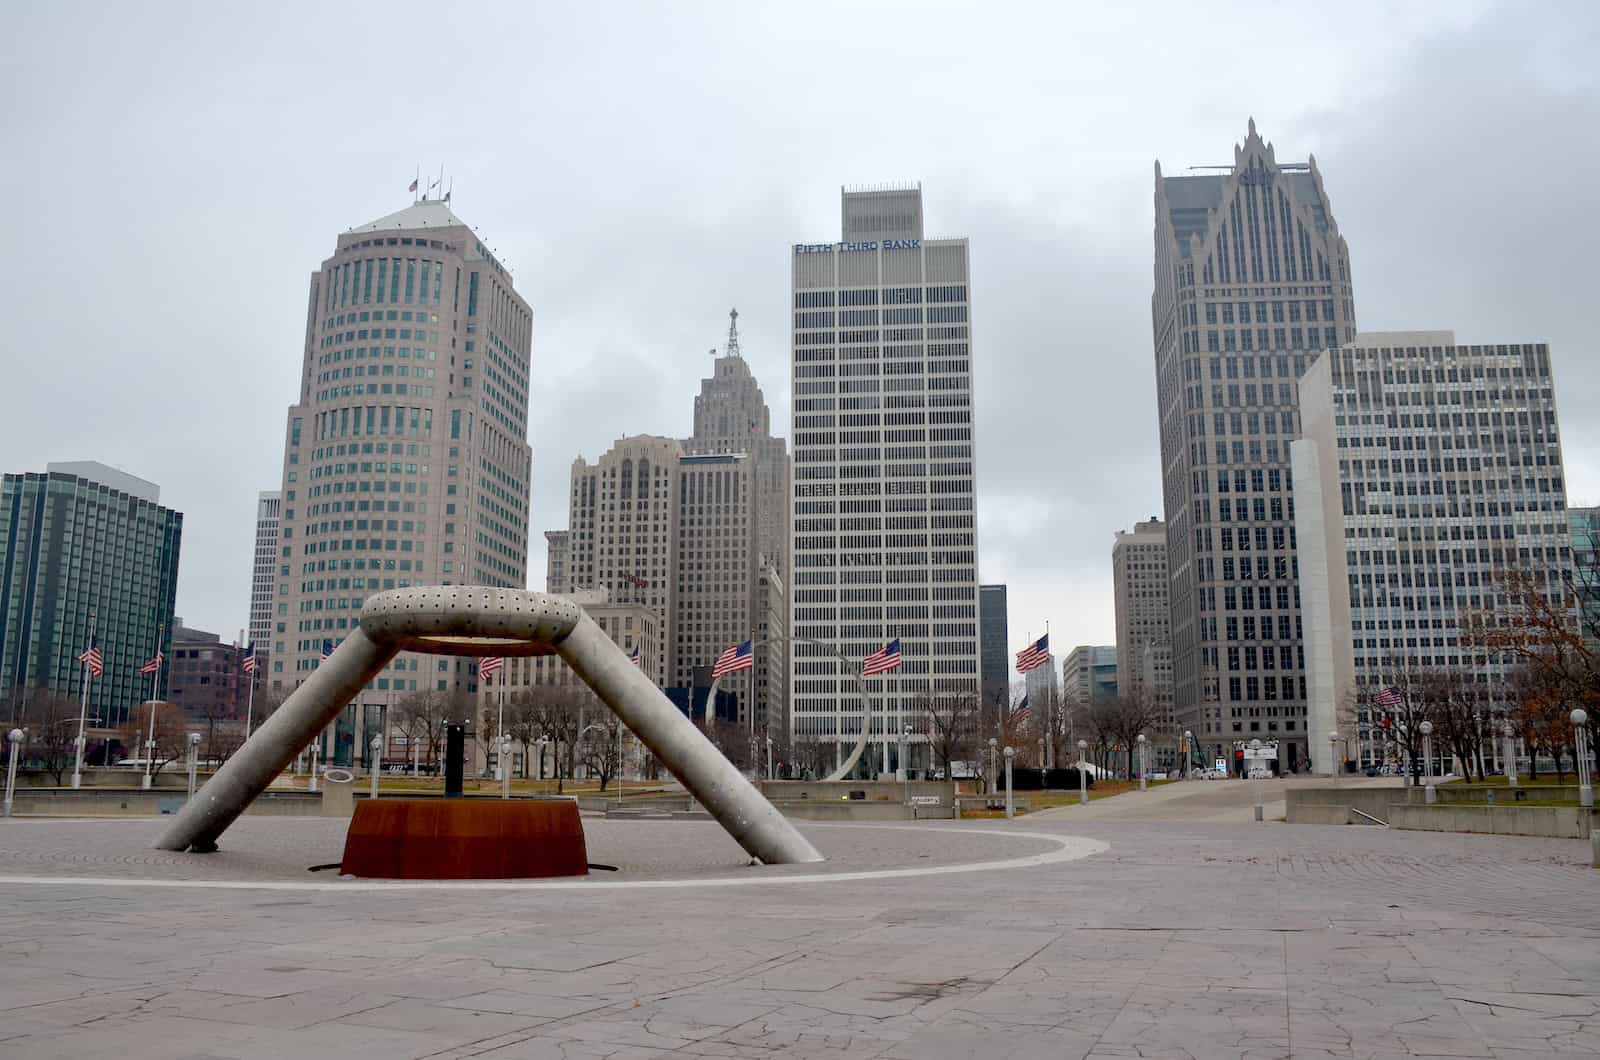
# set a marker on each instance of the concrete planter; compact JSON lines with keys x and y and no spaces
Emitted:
{"x":135,"y":802}
{"x":1562,"y":822}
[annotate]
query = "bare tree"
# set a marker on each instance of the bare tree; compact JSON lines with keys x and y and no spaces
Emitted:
{"x":1102,"y":723}
{"x":812,"y":758}
{"x":1452,"y":707}
{"x":1133,"y":715}
{"x":212,"y":715}
{"x":953,"y":724}
{"x":1549,"y":622}
{"x":171,"y":733}
{"x":733,"y":740}
{"x":421,"y":717}
{"x":1541,"y":716}
{"x":557,"y":713}
{"x":52,"y":727}
{"x":598,"y":748}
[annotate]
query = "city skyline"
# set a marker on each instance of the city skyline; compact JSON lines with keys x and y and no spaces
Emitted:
{"x":1064,"y":221}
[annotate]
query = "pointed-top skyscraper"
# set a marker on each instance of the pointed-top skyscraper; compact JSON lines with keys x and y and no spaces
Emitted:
{"x":1252,"y":280}
{"x":731,"y":416}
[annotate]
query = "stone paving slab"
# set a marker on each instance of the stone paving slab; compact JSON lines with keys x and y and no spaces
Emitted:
{"x":1185,"y":938}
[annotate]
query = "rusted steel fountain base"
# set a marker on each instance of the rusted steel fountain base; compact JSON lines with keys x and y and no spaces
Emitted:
{"x":465,"y":839}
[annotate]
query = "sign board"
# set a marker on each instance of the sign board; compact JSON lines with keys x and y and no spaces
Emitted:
{"x":1264,"y":753}
{"x":1222,"y":765}
{"x":925,"y":800}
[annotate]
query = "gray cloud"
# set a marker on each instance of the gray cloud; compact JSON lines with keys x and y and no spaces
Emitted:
{"x":179,"y":171}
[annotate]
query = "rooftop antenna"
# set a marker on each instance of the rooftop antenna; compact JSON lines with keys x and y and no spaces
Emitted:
{"x":733,"y":334}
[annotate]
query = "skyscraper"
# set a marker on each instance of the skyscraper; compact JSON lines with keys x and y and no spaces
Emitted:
{"x":1428,"y":471}
{"x":996,"y":647}
{"x":885,"y":543}
{"x":406,"y":459}
{"x":696,"y":530}
{"x":1144,"y":637}
{"x":557,"y":554}
{"x":1252,"y":278}
{"x":734,"y":547}
{"x":85,"y":538}
{"x":264,"y":576}
{"x":623,"y":516}
{"x":731,"y":416}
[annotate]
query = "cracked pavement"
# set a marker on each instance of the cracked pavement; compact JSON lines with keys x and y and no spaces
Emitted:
{"x":1186,"y":938}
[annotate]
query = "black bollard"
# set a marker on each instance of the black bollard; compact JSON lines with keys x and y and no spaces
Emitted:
{"x":455,"y":748}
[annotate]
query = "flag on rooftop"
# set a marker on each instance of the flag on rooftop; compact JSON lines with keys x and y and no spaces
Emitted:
{"x":738,"y":657}
{"x":490,"y":666}
{"x":634,"y":658}
{"x":248,"y":664}
{"x":1034,"y":655}
{"x":327,"y":648}
{"x":883,"y":660}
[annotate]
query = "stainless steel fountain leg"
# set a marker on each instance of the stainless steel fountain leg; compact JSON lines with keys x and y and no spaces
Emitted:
{"x":683,"y":749}
{"x":273,"y":745}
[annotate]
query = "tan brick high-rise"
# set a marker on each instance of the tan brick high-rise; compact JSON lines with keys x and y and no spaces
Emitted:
{"x":406,"y":459}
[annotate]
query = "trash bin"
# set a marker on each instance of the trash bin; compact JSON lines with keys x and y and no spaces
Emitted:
{"x":338,"y":793}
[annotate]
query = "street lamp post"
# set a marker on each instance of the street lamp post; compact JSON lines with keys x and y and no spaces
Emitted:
{"x":1083,"y":773}
{"x":540,"y":744}
{"x":1143,"y":770}
{"x":316,"y":757}
{"x":1477,"y":742}
{"x":1255,"y":746}
{"x":1009,"y":808}
{"x":377,"y":766}
{"x":769,"y":758}
{"x":1333,"y":756}
{"x":194,"y":760}
{"x":1580,"y":743}
{"x":905,"y":774}
{"x":505,"y":774}
{"x":1431,"y":794}
{"x":1188,"y":752}
{"x":994,"y":766}
{"x":1511,"y":755}
{"x":150,"y":745}
{"x":14,"y":738}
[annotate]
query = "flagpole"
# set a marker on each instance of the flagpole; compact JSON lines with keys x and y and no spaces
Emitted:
{"x":250,"y":701}
{"x":155,"y":674}
{"x":1049,"y":706}
{"x":502,"y":768}
{"x":83,"y":712}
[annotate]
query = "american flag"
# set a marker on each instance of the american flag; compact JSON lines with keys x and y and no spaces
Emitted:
{"x":1034,"y":655}
{"x":737,"y":657}
{"x":490,"y":666}
{"x":1019,"y":716}
{"x":883,"y":660}
{"x":634,"y":658}
{"x":92,"y":658}
{"x":327,"y":648}
{"x":634,"y":579}
{"x":1389,"y":697}
{"x":153,"y":665}
{"x":248,"y":665}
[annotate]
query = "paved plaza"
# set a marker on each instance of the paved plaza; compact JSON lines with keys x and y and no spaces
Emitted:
{"x":1121,"y":929}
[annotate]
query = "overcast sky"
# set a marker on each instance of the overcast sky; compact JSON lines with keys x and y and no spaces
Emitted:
{"x":174,"y":173}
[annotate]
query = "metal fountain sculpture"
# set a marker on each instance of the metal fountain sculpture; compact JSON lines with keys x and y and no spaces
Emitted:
{"x":481,"y":621}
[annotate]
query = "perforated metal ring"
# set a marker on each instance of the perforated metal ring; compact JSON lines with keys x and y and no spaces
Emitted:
{"x":469,"y":620}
